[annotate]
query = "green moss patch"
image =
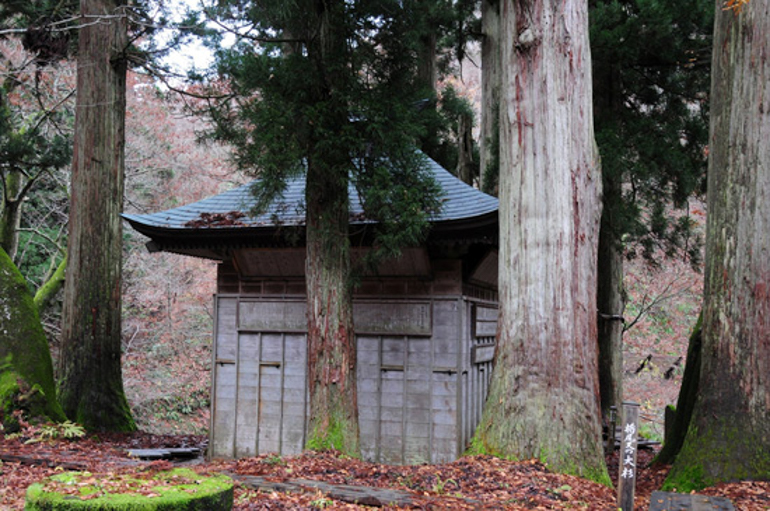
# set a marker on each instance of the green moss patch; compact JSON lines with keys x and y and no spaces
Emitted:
{"x":179,"y":489}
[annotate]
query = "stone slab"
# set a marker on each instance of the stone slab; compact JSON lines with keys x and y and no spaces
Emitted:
{"x":668,"y":501}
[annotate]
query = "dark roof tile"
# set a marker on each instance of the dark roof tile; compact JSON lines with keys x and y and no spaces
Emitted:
{"x":460,"y":202}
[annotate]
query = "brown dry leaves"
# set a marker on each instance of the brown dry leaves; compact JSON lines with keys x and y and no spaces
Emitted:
{"x":477,"y":482}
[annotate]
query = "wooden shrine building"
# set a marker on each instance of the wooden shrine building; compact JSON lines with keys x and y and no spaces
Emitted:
{"x":425,"y":324}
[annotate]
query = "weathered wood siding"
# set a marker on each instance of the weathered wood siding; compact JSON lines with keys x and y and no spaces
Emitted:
{"x":424,"y":360}
{"x":260,"y":401}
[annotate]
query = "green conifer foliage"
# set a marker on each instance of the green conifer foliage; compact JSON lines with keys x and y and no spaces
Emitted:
{"x":651,"y":64}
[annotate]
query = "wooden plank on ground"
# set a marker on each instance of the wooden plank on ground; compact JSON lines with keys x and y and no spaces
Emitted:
{"x":45,"y":462}
{"x":668,"y":501}
{"x":362,"y":495}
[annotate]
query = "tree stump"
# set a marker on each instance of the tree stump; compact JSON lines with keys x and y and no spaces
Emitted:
{"x":178,"y":489}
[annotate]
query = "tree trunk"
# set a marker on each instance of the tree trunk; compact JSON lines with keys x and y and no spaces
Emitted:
{"x":24,"y":350}
{"x":489,"y":158}
{"x":427,"y":71}
{"x":333,"y":418}
{"x":688,"y":393}
{"x":610,"y":304}
{"x":544,"y":397}
{"x":608,"y":107}
{"x":91,"y":386}
{"x":10,"y":216}
{"x":333,"y":421}
{"x":465,"y":148}
{"x":729,"y":435}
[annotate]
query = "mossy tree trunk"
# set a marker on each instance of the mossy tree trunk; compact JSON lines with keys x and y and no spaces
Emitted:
{"x":24,"y":350}
{"x":544,"y":396}
{"x":51,"y":287}
{"x":91,"y":386}
{"x":688,"y":393}
{"x":333,"y":419}
{"x":10,"y":214}
{"x":729,"y":434}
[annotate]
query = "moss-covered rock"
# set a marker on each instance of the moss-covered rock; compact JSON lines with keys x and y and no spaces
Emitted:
{"x":175,"y":490}
{"x":24,"y":349}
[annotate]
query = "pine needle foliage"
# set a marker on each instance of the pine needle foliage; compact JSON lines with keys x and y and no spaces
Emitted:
{"x":651,"y":63}
{"x":291,"y":103}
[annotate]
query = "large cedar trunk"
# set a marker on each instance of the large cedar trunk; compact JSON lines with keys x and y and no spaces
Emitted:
{"x":610,"y":304}
{"x":544,"y":396}
{"x":333,"y":421}
{"x":91,"y":387}
{"x":729,"y":435}
{"x":489,"y":139}
{"x":333,"y":418}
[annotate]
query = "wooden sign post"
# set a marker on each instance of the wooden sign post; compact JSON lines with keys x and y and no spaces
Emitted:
{"x":627,"y":456}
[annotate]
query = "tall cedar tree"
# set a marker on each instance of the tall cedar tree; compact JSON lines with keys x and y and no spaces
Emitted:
{"x":328,"y":88}
{"x":543,"y":399}
{"x":729,"y":435}
{"x":650,"y":78}
{"x":91,"y":385}
{"x":489,"y":136}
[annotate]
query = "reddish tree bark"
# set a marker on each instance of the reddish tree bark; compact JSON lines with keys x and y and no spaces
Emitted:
{"x":333,"y":418}
{"x":544,"y":396}
{"x":91,"y":385}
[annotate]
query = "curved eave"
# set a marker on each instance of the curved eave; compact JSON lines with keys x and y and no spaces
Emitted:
{"x":218,"y":242}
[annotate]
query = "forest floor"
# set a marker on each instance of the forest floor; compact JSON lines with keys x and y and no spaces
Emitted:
{"x":166,"y":367}
{"x":477,"y":482}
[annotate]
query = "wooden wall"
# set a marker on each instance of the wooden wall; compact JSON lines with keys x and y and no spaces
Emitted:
{"x":424,"y":361}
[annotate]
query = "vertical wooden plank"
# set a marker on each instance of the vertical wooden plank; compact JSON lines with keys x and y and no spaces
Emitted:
{"x":627,"y":458}
{"x":282,"y":383}
{"x":294,"y":394}
{"x":462,"y":341}
{"x":368,"y":374}
{"x":225,"y":378}
{"x":224,"y":420}
{"x":213,"y":407}
{"x":247,"y":396}
{"x":392,"y":416}
{"x":417,"y":410}
{"x":270,"y":397}
{"x":444,"y":418}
